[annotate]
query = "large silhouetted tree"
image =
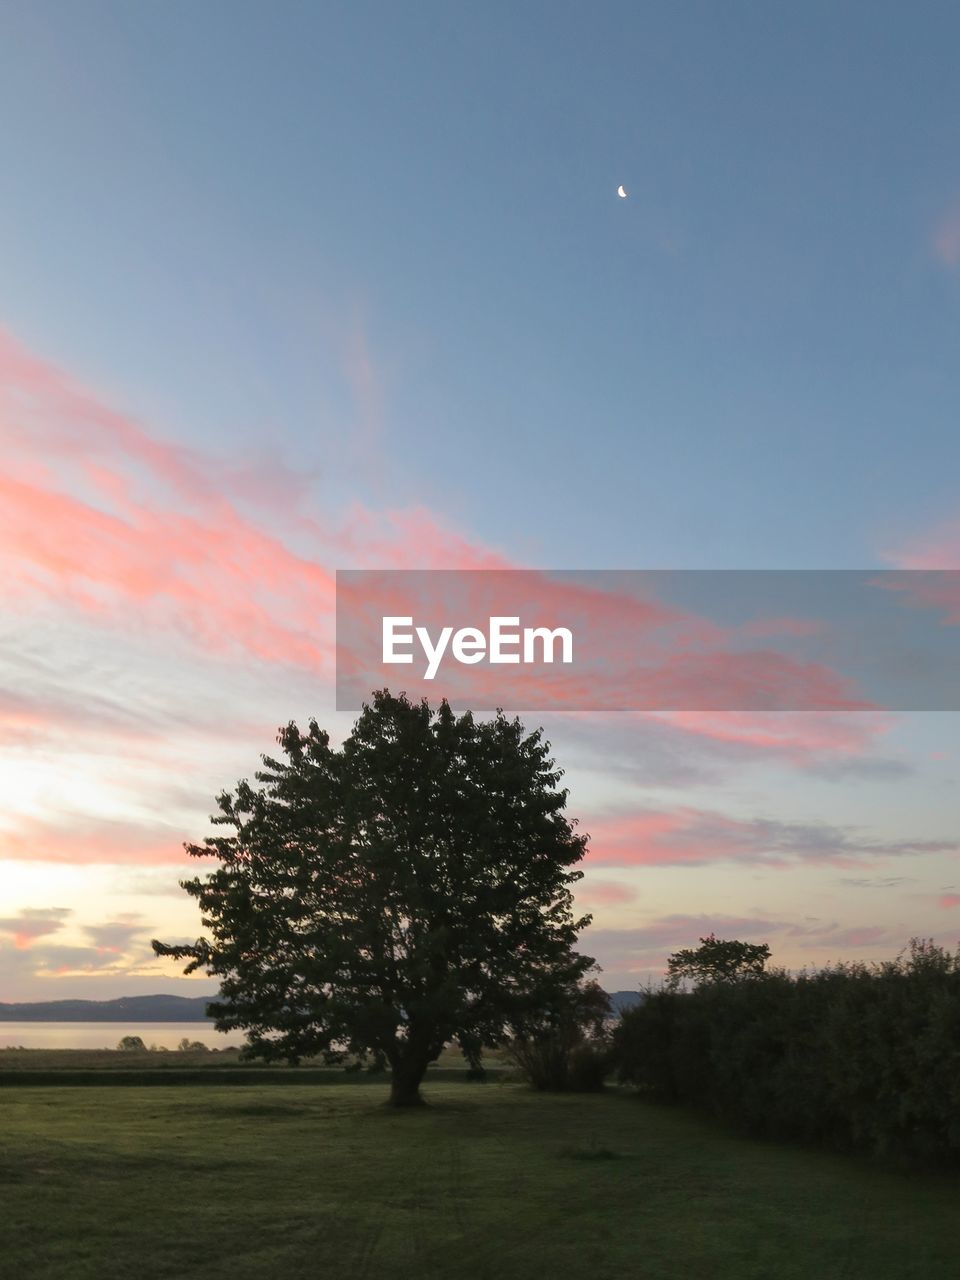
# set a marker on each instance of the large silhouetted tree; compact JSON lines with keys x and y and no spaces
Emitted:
{"x":382,"y":899}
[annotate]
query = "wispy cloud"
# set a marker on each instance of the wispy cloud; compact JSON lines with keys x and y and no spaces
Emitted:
{"x":876,"y":882}
{"x":115,"y":937}
{"x":695,"y":837}
{"x":33,"y":923}
{"x":87,"y":838}
{"x":604,"y":893}
{"x":673,"y":749}
{"x":647,"y":947}
{"x":800,"y":738}
{"x":946,"y":237}
{"x":937,"y":547}
{"x":113,"y":521}
{"x":117,"y":947}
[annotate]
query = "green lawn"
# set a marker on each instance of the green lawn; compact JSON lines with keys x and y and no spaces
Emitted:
{"x":491,"y":1182}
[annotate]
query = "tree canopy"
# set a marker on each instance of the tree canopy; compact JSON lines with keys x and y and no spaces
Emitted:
{"x":716,"y":960}
{"x":383,"y":898}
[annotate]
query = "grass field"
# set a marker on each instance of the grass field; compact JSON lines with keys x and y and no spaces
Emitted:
{"x":491,"y":1182}
{"x":111,"y":1067}
{"x":32,"y":1060}
{"x":109,"y":1059}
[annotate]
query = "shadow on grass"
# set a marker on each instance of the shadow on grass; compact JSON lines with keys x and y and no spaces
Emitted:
{"x":595,"y":1151}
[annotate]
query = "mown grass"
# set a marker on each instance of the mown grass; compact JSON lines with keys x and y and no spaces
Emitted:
{"x":491,"y":1182}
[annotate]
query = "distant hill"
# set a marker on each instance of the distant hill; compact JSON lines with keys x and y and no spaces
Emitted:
{"x":625,"y":999}
{"x":162,"y":1009}
{"x":126,"y":1009}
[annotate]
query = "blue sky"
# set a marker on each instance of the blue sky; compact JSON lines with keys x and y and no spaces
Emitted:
{"x":381,"y":245}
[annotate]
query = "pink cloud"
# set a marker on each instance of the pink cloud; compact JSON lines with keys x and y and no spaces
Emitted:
{"x":105,"y":519}
{"x":646,"y":947}
{"x":938,"y":593}
{"x":936,"y":548}
{"x":694,"y":837}
{"x":948,"y":901}
{"x":225,"y":584}
{"x":31,"y":924}
{"x":936,"y":551}
{"x":412,"y":537}
{"x":632,"y":650}
{"x":946,"y":238}
{"x":796,"y":736}
{"x":76,"y":840}
{"x":604,"y":893}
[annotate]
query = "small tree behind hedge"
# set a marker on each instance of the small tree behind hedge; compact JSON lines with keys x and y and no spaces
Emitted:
{"x":716,"y":960}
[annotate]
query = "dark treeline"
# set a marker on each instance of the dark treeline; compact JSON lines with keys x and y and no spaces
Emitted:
{"x":855,"y":1056}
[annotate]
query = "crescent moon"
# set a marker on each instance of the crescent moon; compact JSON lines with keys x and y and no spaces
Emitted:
{"x":621,"y":192}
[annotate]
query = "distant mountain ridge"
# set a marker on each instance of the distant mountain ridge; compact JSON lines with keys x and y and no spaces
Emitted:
{"x":124,"y":1009}
{"x":621,"y":1000}
{"x":162,"y":1009}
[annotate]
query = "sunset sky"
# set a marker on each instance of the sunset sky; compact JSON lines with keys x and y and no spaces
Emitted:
{"x":298,"y":288}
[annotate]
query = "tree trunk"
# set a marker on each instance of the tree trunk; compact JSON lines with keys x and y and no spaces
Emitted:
{"x":405,"y":1083}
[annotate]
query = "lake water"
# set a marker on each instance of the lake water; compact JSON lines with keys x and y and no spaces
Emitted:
{"x":106,"y":1035}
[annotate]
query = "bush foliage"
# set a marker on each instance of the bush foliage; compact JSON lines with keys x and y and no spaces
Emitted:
{"x":854,"y":1056}
{"x":564,"y":1045}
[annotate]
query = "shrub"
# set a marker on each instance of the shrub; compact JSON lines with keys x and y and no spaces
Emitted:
{"x":588,"y":1066}
{"x":564,"y":1045}
{"x":857,"y":1056}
